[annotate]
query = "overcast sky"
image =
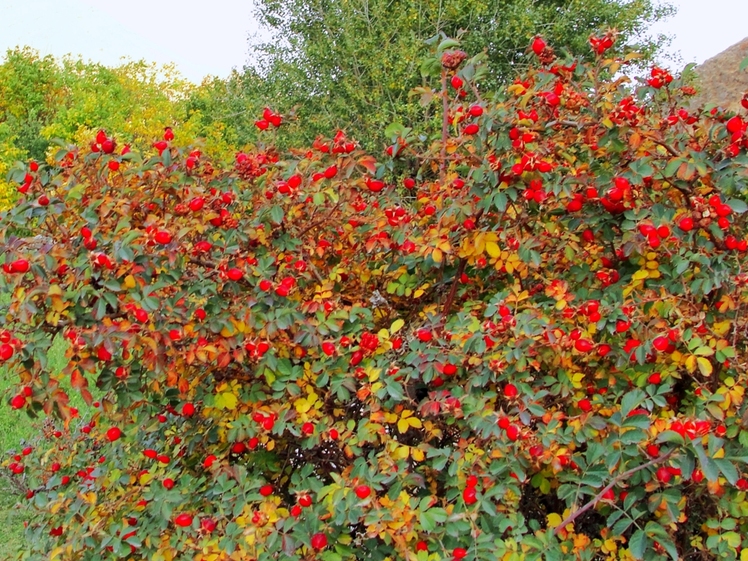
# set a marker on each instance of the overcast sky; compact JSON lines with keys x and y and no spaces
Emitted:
{"x":210,"y":36}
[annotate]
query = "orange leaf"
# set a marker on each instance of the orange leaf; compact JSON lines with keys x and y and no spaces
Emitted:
{"x":78,"y":380}
{"x":369,"y":162}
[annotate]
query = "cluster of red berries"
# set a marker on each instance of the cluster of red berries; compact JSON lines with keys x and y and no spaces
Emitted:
{"x":601,"y":44}
{"x":469,"y":493}
{"x":737,"y":127}
{"x":28,"y":178}
{"x":627,"y":112}
{"x":535,"y":191}
{"x":269,"y":118}
{"x":531,"y":162}
{"x":252,"y":166}
{"x":103,"y":143}
{"x":19,"y":266}
{"x":659,"y":77}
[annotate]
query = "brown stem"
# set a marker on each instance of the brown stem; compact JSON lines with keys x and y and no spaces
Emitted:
{"x":460,"y":269}
{"x":672,"y":151}
{"x":445,"y":129}
{"x":453,"y":289}
{"x":475,"y":92}
{"x":320,"y":222}
{"x":620,"y":477}
{"x":568,"y":123}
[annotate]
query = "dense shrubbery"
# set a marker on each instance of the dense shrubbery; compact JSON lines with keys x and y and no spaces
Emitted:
{"x":521,"y":338}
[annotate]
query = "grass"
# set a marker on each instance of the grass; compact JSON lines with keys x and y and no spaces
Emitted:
{"x":15,"y":427}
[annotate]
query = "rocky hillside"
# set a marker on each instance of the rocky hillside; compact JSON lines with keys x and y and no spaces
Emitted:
{"x":720,"y":80}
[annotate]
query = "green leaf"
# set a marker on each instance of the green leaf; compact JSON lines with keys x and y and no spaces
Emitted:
{"x":432,"y":517}
{"x":733,"y":539}
{"x":431,"y":67}
{"x":621,"y":526}
{"x":638,"y":544}
{"x":500,"y":201}
{"x":669,"y":546}
{"x":672,"y":167}
{"x":737,"y":205}
{"x":707,"y":464}
{"x":276,"y":214}
{"x":394,"y":130}
{"x":670,"y":436}
{"x":447,"y":44}
{"x":727,"y":469}
{"x":663,"y":538}
{"x":744,"y":64}
{"x":636,"y":421}
{"x":113,"y":285}
{"x":631,"y":401}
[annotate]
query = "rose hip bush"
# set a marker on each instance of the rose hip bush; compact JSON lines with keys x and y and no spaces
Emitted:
{"x":521,"y":339}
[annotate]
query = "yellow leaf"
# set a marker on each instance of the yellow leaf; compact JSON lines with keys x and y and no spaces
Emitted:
{"x":691,"y":363}
{"x":437,"y":255}
{"x":704,"y":365}
{"x":722,"y":327}
{"x":493,"y":249}
{"x":641,"y":274}
{"x":52,"y":318}
{"x":403,"y":425}
{"x":302,"y":405}
{"x":417,"y":454}
{"x":401,"y":453}
{"x":226,"y":400}
{"x":554,"y":519}
{"x":396,"y":326}
{"x":129,"y":282}
{"x":576,"y":380}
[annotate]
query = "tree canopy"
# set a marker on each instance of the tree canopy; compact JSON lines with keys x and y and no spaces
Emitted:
{"x":44,"y":98}
{"x":352,"y":64}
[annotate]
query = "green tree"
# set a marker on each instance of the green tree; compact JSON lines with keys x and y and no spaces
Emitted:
{"x":353,"y":63}
{"x":135,"y":99}
{"x":30,"y":89}
{"x":43,"y":99}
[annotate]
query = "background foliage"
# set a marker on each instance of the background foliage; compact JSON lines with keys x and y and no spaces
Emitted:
{"x":353,"y":64}
{"x":43,"y":99}
{"x":345,"y":65}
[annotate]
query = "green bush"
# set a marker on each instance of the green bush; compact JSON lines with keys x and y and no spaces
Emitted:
{"x":519,"y":338}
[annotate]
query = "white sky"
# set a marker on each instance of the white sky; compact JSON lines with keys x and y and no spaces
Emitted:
{"x":210,"y":36}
